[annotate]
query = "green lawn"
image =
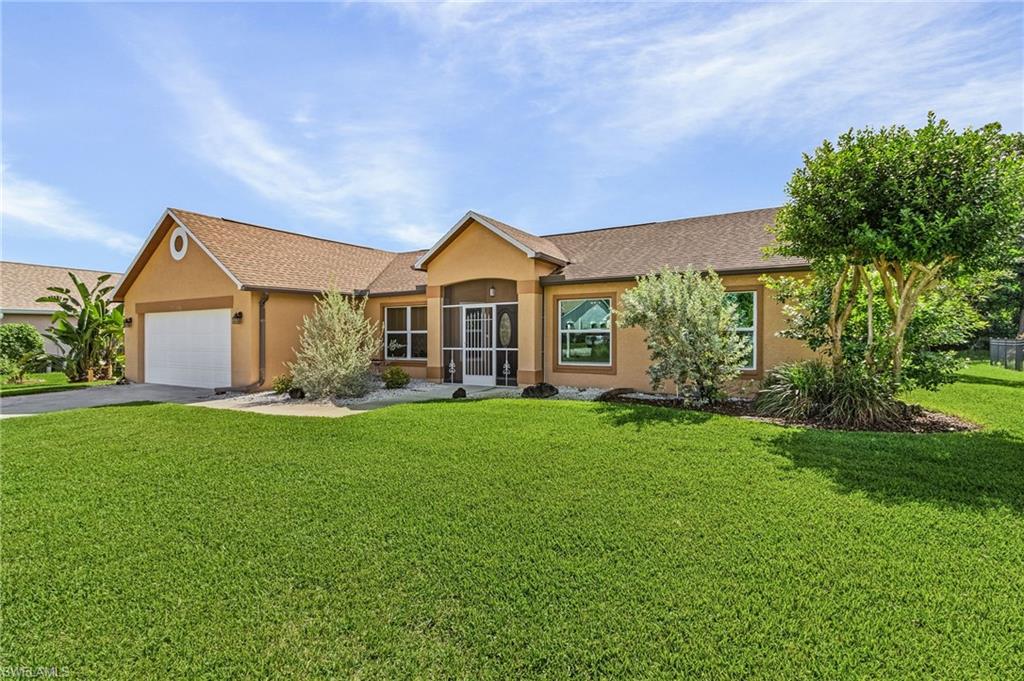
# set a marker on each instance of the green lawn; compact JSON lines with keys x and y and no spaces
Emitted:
{"x":55,"y":381}
{"x":514,"y":538}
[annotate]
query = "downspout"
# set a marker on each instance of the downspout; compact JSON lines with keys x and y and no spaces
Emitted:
{"x":262,"y":349}
{"x":543,"y":333}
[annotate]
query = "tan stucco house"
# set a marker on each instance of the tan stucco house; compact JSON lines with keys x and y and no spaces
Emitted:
{"x":22,"y":284}
{"x":218,"y":303}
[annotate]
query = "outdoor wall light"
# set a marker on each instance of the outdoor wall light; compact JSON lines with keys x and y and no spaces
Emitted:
{"x":236,"y":318}
{"x":491,"y":292}
{"x":127,"y":322}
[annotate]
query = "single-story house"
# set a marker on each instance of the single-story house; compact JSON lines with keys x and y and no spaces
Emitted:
{"x":217,"y":303}
{"x":22,"y":284}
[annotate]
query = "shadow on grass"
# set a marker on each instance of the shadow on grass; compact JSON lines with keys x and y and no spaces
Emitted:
{"x":138,"y":403}
{"x":961,"y":470}
{"x":985,"y":380}
{"x":640,"y":415}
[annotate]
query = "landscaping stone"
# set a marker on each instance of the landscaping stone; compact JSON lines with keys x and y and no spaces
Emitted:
{"x":459,"y":394}
{"x":296,"y":393}
{"x":540,"y":391}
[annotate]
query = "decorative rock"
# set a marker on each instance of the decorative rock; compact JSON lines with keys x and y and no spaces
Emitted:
{"x":540,"y":391}
{"x":122,"y":381}
{"x":296,"y":393}
{"x":459,"y":393}
{"x":613,"y":394}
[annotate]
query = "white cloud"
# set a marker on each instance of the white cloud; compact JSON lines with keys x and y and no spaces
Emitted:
{"x":30,"y":206}
{"x":370,"y":178}
{"x":626,"y":81}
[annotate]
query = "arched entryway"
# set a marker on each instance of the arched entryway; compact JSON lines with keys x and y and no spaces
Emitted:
{"x":480,"y":332}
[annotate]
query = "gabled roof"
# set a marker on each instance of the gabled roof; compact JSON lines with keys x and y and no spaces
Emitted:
{"x":533,"y":246}
{"x":732,"y":242}
{"x":22,"y":283}
{"x":258,"y":257}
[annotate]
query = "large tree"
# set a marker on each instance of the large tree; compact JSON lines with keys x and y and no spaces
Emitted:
{"x":902,"y":210}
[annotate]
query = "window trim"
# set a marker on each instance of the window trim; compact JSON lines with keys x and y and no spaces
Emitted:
{"x":557,"y":365}
{"x":758,"y":291}
{"x":752,"y":329}
{"x":408,"y":331}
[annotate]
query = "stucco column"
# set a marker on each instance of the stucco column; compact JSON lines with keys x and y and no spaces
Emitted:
{"x":434,"y":369}
{"x":530,"y":296}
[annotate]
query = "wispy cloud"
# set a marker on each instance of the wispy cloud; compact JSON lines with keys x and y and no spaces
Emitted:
{"x":31,"y":206}
{"x":373,"y":178}
{"x":624,"y":81}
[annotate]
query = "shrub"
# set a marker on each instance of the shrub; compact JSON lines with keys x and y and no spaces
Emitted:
{"x":336,"y":348}
{"x":8,"y":368}
{"x":395,"y":377}
{"x":282,"y":384}
{"x":690,"y":324}
{"x":850,"y":398}
{"x":793,"y":391}
{"x":18,"y":340}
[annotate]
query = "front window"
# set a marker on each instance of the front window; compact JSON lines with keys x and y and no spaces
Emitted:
{"x":585,"y":331}
{"x":405,"y":332}
{"x":746,"y":313}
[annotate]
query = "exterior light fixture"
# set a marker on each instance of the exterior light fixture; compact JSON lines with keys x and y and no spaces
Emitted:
{"x":236,"y":318}
{"x":127,"y":322}
{"x":491,"y":292}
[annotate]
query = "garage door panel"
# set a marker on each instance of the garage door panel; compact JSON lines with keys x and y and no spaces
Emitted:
{"x":190,"y":348}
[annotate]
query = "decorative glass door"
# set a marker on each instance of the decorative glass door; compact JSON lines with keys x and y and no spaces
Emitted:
{"x":478,"y":352}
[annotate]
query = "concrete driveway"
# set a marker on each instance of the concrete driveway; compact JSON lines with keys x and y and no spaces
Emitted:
{"x":99,"y":396}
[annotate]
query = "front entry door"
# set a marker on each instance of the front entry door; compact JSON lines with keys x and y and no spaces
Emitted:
{"x":478,"y":332}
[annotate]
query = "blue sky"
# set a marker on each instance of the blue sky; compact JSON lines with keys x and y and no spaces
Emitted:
{"x":383,"y":124}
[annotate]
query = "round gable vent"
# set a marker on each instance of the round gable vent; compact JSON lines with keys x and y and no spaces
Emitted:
{"x":179,"y":243}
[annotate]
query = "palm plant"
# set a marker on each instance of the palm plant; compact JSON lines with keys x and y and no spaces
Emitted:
{"x":88,"y":326}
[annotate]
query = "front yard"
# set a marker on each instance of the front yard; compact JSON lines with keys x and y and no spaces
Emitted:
{"x":55,"y":381}
{"x":507,"y":538}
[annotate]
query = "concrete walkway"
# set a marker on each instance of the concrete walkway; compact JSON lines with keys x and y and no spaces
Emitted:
{"x":260,"y":403}
{"x":263,"y":403}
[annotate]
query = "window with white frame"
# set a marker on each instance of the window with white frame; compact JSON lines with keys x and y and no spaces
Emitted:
{"x":405,"y":332}
{"x":746,"y":316}
{"x":585,"y":332}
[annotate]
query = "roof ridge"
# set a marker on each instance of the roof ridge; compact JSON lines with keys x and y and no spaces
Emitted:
{"x":56,"y":267}
{"x":284,"y":231}
{"x":659,"y":222}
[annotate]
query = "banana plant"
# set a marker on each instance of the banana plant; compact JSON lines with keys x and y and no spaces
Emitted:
{"x":88,"y":327}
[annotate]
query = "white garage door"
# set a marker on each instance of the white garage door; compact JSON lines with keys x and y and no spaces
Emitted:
{"x":189,"y":348}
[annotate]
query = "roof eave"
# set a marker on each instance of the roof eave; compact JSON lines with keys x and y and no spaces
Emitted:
{"x":556,"y":279}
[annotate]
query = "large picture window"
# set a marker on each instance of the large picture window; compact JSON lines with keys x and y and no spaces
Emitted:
{"x":405,"y":332}
{"x":746,"y":316}
{"x":585,"y":332}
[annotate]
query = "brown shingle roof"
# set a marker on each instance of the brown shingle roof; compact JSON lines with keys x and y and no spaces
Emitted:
{"x":264,"y":257}
{"x":729,"y":242}
{"x":538,"y":244}
{"x":22,"y":283}
{"x":399,"y":276}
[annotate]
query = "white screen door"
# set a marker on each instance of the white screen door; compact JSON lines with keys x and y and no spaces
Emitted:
{"x":478,"y":346}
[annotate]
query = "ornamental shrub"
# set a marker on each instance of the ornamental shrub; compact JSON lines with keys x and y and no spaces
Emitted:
{"x":336,"y":348}
{"x":18,"y":340}
{"x":691,"y":330}
{"x":394,"y":377}
{"x":282,"y":384}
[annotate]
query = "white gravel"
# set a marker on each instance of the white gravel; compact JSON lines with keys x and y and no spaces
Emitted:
{"x":414,"y":389}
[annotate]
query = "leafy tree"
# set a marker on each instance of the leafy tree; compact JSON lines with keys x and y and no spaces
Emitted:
{"x":690,"y":324}
{"x":88,"y":326}
{"x":18,"y":340}
{"x":336,"y":348}
{"x":901,"y":210}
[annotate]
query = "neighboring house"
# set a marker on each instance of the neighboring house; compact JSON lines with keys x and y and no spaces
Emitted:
{"x":218,"y":303}
{"x":21,"y":284}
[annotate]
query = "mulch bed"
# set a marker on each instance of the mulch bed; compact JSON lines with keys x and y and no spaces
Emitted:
{"x":919,"y":420}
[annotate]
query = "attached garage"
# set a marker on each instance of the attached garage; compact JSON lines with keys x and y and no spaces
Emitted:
{"x":191,"y":348}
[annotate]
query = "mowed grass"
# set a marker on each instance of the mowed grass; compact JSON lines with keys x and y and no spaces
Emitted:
{"x":55,"y":381}
{"x":508,"y":539}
